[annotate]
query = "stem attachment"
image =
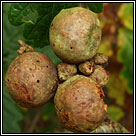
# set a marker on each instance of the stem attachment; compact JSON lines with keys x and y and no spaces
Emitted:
{"x":24,"y":47}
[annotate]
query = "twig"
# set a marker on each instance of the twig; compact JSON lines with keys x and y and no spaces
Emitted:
{"x":109,"y":126}
{"x":35,"y":120}
{"x":24,"y":47}
{"x":83,"y":5}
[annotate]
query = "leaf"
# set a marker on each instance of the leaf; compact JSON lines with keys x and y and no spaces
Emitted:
{"x":11,"y":112}
{"x":18,"y":12}
{"x":11,"y":35}
{"x":115,"y":113}
{"x":39,"y":31}
{"x":48,"y":51}
{"x":125,"y":55}
{"x":125,"y":14}
{"x":36,"y":31}
{"x":96,"y":7}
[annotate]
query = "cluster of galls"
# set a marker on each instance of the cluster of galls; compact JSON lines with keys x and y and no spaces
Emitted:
{"x":93,"y":68}
{"x":75,"y":35}
{"x":79,"y":97}
{"x":32,"y":79}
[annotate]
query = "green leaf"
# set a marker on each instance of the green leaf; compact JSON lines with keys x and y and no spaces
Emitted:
{"x":96,"y":7}
{"x":48,"y":51}
{"x":39,"y":32}
{"x":115,"y":113}
{"x":125,"y":14}
{"x":18,"y":12}
{"x":11,"y":34}
{"x":125,"y":55}
{"x":36,"y":18}
{"x":11,"y":112}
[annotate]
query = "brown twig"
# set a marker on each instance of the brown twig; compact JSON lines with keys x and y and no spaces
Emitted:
{"x":35,"y":119}
{"x":83,"y":5}
{"x":109,"y":126}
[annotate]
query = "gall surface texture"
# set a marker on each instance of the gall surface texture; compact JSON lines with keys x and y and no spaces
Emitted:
{"x":79,"y":104}
{"x":75,"y":35}
{"x":31,"y":79}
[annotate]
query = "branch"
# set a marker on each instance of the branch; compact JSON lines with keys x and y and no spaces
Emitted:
{"x":109,"y":126}
{"x":35,"y":119}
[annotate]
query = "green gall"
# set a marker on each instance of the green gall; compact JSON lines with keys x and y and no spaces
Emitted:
{"x":75,"y":35}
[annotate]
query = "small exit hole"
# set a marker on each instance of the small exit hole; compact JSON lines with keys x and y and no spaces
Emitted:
{"x":38,"y":81}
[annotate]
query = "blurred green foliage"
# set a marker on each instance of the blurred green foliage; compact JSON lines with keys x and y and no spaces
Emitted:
{"x":126,"y":15}
{"x":10,"y":36}
{"x":125,"y":42}
{"x":12,"y":115}
{"x":116,"y":89}
{"x":115,"y":112}
{"x":125,"y":55}
{"x":117,"y":27}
